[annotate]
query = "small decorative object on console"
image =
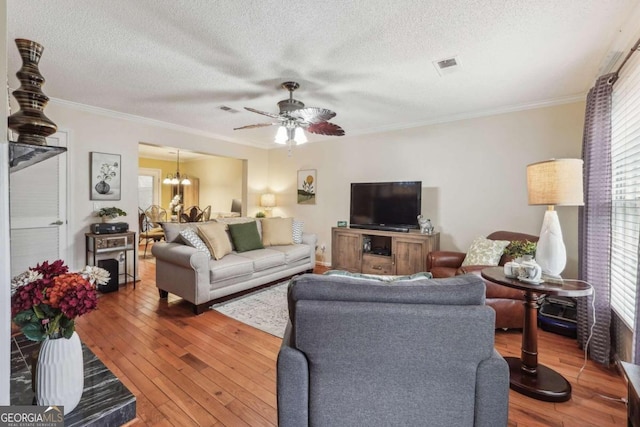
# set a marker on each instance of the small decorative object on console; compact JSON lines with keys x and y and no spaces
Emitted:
{"x":425,"y":225}
{"x":110,"y":213}
{"x":109,"y":227}
{"x":342,"y":223}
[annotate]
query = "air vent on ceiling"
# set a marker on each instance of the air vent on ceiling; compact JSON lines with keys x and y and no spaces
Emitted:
{"x":228,"y":109}
{"x":447,"y":65}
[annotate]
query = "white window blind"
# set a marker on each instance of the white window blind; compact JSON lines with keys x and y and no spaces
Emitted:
{"x":625,"y":169}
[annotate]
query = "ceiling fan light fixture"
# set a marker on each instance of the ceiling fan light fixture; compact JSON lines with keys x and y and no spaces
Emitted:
{"x":294,"y":118}
{"x":281,"y":136}
{"x":300,"y":137}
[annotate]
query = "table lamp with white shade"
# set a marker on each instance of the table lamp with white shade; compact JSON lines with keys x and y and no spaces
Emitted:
{"x":555,"y":182}
{"x":268,"y":202}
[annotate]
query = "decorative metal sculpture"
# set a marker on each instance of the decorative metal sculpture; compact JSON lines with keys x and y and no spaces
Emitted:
{"x":30,"y":122}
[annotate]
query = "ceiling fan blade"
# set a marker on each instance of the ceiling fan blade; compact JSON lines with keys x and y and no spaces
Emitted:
{"x":313,"y":114}
{"x":259,"y":125}
{"x":326,"y":128}
{"x":264,"y":113}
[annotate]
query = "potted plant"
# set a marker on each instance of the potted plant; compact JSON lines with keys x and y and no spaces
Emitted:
{"x":260,"y":215}
{"x":110,"y":213}
{"x":519,"y":250}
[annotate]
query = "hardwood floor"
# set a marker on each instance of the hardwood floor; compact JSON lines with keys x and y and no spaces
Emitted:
{"x":211,"y":370}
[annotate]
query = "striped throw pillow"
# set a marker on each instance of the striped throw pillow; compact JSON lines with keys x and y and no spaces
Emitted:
{"x":192,"y":239}
{"x":297,"y":231}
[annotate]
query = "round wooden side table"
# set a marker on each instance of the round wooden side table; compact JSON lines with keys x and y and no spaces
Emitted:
{"x":526,"y":375}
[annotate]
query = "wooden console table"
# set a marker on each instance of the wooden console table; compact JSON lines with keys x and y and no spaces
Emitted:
{"x":388,"y":252}
{"x":105,"y":400}
{"x":526,"y":375}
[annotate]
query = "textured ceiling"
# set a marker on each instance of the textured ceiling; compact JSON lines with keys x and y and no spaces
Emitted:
{"x":178,"y":61}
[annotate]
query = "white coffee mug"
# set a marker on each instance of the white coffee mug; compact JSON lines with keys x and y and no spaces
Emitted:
{"x":532,"y":271}
{"x":511,"y":269}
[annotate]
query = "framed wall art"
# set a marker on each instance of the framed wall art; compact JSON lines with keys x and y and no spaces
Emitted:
{"x":307,"y":186}
{"x":105,"y":176}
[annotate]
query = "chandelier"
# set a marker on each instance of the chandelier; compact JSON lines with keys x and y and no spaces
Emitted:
{"x":177,"y":179}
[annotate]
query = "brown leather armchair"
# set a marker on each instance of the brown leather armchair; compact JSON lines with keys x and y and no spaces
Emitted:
{"x":507,"y":302}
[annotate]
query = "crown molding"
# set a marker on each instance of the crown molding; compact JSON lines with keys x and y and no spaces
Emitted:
{"x":476,"y":114}
{"x":397,"y":127}
{"x":146,"y":121}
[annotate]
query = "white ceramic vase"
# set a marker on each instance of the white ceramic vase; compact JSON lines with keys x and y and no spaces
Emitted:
{"x":60,"y":373}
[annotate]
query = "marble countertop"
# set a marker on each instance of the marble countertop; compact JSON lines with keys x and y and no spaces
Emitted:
{"x":105,"y":400}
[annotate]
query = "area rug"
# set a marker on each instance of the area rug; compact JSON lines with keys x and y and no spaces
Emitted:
{"x":265,"y":309}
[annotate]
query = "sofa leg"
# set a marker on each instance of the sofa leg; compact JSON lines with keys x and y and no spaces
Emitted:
{"x":200,"y":308}
{"x":163,"y":294}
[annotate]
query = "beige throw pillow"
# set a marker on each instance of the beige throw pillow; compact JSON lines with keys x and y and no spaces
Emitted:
{"x":277,"y":231}
{"x":485,"y":251}
{"x":216,"y":238}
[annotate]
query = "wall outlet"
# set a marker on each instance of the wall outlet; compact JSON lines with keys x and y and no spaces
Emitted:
{"x":96,"y":207}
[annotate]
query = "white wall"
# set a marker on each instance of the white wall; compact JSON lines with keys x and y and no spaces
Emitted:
{"x":473,"y":173}
{"x":93,"y":131}
{"x":5,"y":260}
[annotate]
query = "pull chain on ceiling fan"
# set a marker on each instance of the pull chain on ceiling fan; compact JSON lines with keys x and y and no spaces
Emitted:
{"x":294,"y":117}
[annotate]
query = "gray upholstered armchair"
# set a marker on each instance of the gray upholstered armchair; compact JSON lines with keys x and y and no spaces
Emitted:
{"x":412,"y":353}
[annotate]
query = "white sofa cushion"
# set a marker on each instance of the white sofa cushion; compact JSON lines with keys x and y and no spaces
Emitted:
{"x":230,"y":267}
{"x":264,"y":259}
{"x":292,"y":253}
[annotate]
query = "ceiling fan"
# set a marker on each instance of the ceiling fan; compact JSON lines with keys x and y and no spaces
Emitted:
{"x":294,"y":117}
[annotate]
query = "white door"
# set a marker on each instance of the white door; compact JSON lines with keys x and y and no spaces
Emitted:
{"x":38,"y":209}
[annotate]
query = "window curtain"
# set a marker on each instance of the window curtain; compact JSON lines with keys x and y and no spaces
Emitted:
{"x":595,"y":222}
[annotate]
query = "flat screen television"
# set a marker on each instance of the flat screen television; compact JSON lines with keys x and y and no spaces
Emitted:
{"x":393,"y":206}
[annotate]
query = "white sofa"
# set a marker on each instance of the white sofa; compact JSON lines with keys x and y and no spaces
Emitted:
{"x":191,"y":274}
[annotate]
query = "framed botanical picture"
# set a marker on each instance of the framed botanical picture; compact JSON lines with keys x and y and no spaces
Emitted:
{"x":105,"y":176}
{"x":307,"y":185}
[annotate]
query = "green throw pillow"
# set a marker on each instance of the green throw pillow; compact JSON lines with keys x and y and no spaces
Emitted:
{"x":245,"y":236}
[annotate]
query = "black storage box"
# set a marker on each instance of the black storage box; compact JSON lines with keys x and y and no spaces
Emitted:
{"x":112,"y":266}
{"x":558,"y":315}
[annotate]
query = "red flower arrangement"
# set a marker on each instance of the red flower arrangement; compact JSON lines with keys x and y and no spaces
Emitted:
{"x":46,"y":298}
